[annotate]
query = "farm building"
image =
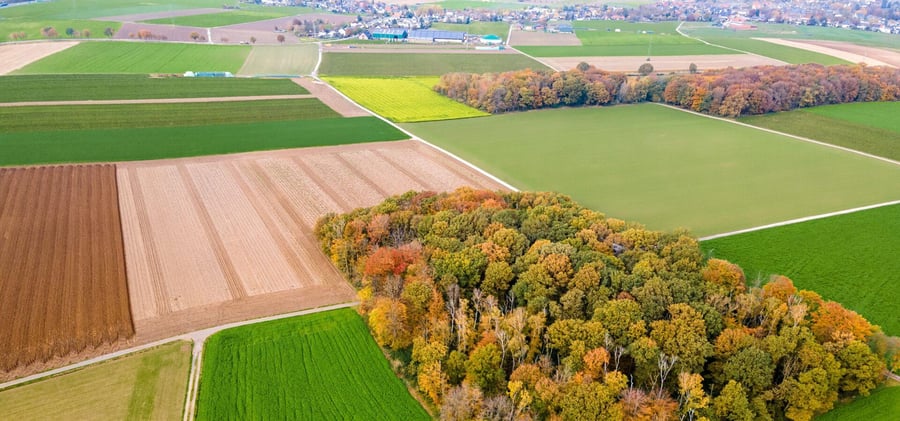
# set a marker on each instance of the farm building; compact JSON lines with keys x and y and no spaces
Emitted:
{"x":427,"y":35}
{"x":389,"y":34}
{"x":491,"y":39}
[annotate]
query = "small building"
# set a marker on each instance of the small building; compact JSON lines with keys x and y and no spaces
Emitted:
{"x":491,"y":39}
{"x":390,"y":34}
{"x":208,"y":74}
{"x":565,"y":28}
{"x":432,"y":36}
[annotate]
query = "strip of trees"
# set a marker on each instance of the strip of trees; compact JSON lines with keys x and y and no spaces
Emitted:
{"x":727,"y":92}
{"x":529,"y":306}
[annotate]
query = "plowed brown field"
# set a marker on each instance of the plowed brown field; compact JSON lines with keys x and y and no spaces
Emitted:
{"x":62,"y":264}
{"x":213,"y":240}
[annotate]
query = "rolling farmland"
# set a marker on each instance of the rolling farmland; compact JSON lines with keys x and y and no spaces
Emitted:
{"x":207,"y":235}
{"x":385,"y":63}
{"x":403,"y":99}
{"x":145,"y":385}
{"x":667,"y":168}
{"x":318,"y":366}
{"x":62,"y":266}
{"x":599,"y":38}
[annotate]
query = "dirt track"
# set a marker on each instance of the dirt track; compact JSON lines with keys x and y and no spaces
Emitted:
{"x":216,"y":239}
{"x":331,"y":98}
{"x":843,"y":50}
{"x":16,"y":56}
{"x":664,"y":63}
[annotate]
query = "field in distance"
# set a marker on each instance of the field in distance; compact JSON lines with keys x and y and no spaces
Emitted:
{"x":421,"y":64}
{"x":318,"y":366}
{"x":144,"y":58}
{"x":231,"y":17}
{"x":24,"y":88}
{"x":851,"y":259}
{"x":476,"y":28}
{"x":882,"y":405}
{"x":281,"y":60}
{"x":665,"y":167}
{"x":403,"y":99}
{"x":870,"y":127}
{"x":146,"y":385}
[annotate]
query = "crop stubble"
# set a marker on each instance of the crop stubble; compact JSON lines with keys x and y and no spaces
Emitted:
{"x":218,"y":239}
{"x":62,"y":266}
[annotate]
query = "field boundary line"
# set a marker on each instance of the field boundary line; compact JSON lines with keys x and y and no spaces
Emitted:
{"x":552,"y":67}
{"x":419,"y":139}
{"x":795,"y":137}
{"x":157,"y":100}
{"x":799,"y":220}
{"x":678,"y":29}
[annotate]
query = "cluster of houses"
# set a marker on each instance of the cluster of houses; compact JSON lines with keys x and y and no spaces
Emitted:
{"x":430,"y":36}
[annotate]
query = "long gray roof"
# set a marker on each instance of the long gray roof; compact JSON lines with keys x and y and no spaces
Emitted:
{"x":432,"y":34}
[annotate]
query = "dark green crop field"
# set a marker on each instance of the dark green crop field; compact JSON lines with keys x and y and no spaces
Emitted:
{"x":319,"y":366}
{"x":425,"y":64}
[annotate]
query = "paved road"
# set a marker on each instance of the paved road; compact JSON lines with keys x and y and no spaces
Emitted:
{"x":156,"y":100}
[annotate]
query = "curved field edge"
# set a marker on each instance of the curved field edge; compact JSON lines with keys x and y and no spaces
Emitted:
{"x":319,"y":366}
{"x":26,"y":88}
{"x":403,"y":100}
{"x":110,"y":145}
{"x":149,"y":384}
{"x":851,"y":259}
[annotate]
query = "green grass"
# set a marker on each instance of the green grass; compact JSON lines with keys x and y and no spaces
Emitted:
{"x":479,"y":5}
{"x":110,"y":145}
{"x":882,"y":405}
{"x":105,"y":87}
{"x":868,"y":127}
{"x":146,"y":385}
{"x":318,"y":366}
{"x":139,"y":57}
{"x":477,"y":28}
{"x":667,"y":168}
{"x":622,"y":50}
{"x":226,"y":18}
{"x":431,"y":64}
{"x":851,"y":259}
{"x":778,"y":52}
{"x":119,"y":116}
{"x":281,"y":60}
{"x":403,"y":99}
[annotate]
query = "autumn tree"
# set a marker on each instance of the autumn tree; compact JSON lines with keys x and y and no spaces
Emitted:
{"x":645,"y":69}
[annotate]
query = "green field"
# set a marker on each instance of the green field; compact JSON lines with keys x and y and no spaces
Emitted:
{"x":403,"y":99}
{"x":281,"y":60}
{"x":226,"y":18}
{"x":424,"y":64}
{"x":599,"y":38}
{"x":870,"y":127}
{"x":667,"y":168}
{"x":479,"y":5}
{"x":23,"y":88}
{"x":146,"y":385}
{"x":319,"y":366}
{"x":851,"y":259}
{"x":105,"y":145}
{"x":134,"y":57}
{"x":121,"y":116}
{"x":477,"y":28}
{"x":882,"y":405}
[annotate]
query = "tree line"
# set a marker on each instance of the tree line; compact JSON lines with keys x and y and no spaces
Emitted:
{"x":528,"y":306}
{"x":725,"y":92}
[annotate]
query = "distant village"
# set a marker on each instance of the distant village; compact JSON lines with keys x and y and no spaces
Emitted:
{"x":375,"y":17}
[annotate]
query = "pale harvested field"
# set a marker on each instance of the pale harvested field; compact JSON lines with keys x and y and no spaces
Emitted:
{"x":129,"y":30}
{"x":213,"y":240}
{"x":664,"y":63}
{"x":137,"y":17}
{"x":542,"y":38}
{"x":331,"y":98}
{"x":281,"y":60}
{"x":15,"y":56}
{"x":847,"y":51}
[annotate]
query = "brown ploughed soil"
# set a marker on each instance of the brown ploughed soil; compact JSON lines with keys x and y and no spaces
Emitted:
{"x":16,"y":56}
{"x":62,"y":265}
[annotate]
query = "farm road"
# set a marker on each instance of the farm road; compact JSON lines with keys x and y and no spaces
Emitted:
{"x":156,"y":100}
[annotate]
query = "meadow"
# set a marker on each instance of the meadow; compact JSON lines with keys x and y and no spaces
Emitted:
{"x":599,"y":38}
{"x":666,"y":168}
{"x":882,"y":405}
{"x":477,"y":28}
{"x":403,"y":99}
{"x":233,"y":17}
{"x":281,"y":60}
{"x":105,"y":145}
{"x":784,"y":53}
{"x":319,"y":366}
{"x":480,"y":5}
{"x":425,"y":64}
{"x":870,"y":127}
{"x":122,"y":116}
{"x":140,"y":57}
{"x":149,"y":384}
{"x":851,"y":259}
{"x":22,"y":88}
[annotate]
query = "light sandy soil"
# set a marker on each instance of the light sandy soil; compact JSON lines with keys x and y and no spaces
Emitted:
{"x":542,"y":38}
{"x":664,"y":63}
{"x":331,"y":98}
{"x":16,"y":56}
{"x":160,"y":15}
{"x":213,"y":240}
{"x":843,"y":50}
